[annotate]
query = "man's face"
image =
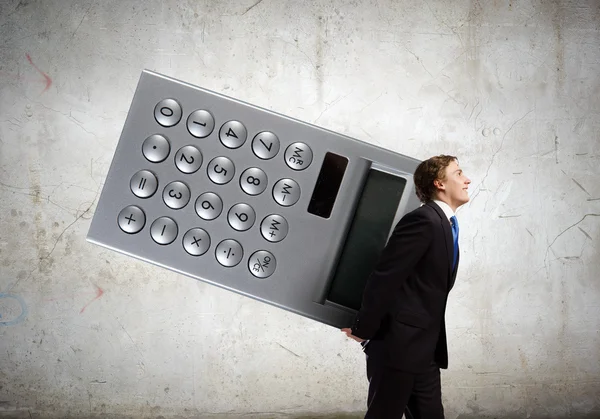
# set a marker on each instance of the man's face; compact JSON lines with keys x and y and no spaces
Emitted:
{"x":454,"y":188}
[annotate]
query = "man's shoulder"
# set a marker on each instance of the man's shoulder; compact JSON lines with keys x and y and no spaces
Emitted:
{"x":424,"y":218}
{"x":424,"y":215}
{"x":424,"y":211}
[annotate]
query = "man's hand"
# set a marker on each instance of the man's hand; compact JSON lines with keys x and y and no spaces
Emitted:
{"x":348,"y":333}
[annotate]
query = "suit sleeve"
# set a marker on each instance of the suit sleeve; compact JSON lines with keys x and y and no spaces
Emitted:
{"x":407,"y":245}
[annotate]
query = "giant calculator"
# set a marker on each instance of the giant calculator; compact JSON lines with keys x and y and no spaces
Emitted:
{"x":250,"y":200}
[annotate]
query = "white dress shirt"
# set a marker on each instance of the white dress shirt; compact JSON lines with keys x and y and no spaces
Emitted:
{"x":446,"y":208}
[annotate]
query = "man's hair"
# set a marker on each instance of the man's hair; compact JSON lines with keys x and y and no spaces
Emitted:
{"x":428,"y":171}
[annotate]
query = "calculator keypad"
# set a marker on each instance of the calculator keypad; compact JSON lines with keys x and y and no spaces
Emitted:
{"x":229,"y":253}
{"x":208,"y":206}
{"x":156,"y":148}
{"x":233,"y":134}
{"x":188,"y":159}
{"x":265,"y":145}
{"x":196,"y":241}
{"x":274,"y":228}
{"x":167,"y":112}
{"x":131,"y":219}
{"x":262,"y":264}
{"x":241,"y":217}
{"x":286,"y":192}
{"x":253,"y":181}
{"x":200,"y":123}
{"x":176,"y":195}
{"x":298,"y":156}
{"x":143,"y":184}
{"x":221,"y":170}
{"x":164,"y":230}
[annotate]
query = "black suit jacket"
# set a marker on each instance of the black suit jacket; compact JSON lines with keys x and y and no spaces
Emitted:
{"x":404,"y":300}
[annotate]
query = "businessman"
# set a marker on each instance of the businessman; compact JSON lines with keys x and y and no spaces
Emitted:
{"x":401,"y":320}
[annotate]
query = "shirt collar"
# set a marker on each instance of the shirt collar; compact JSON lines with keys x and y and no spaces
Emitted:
{"x":445,"y":207}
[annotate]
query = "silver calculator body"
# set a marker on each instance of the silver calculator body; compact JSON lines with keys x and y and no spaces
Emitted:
{"x":253,"y":201}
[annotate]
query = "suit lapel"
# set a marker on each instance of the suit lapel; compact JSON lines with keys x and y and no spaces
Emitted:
{"x":448,"y":239}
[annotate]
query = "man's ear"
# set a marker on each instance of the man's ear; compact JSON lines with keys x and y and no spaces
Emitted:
{"x":438,"y":184}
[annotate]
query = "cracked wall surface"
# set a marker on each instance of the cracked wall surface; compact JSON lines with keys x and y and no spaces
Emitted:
{"x":511,"y":88}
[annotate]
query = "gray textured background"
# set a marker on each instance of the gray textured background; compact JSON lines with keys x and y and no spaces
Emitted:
{"x":512,"y":88}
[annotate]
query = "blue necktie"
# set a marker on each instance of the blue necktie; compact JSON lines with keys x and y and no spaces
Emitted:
{"x":454,"y":222}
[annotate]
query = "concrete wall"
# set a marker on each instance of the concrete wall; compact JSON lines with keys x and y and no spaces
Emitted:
{"x":510,"y":87}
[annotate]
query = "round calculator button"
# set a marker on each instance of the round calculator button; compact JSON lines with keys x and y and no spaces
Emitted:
{"x":176,"y":195}
{"x":229,"y":253}
{"x":220,"y":170}
{"x":241,"y":217}
{"x":188,"y":159}
{"x":262,"y":264}
{"x":200,"y":123}
{"x":253,"y":181}
{"x":143,"y":184}
{"x":209,"y":206}
{"x":196,"y":241}
{"x":164,"y":230}
{"x":298,"y":156}
{"x":286,"y":192}
{"x":233,"y":134}
{"x":265,"y":145}
{"x":167,"y":112}
{"x":156,"y":148}
{"x":131,"y":219}
{"x":274,"y":228}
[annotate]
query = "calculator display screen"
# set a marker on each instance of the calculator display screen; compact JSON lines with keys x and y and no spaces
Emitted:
{"x":327,"y":185}
{"x":367,"y":237}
